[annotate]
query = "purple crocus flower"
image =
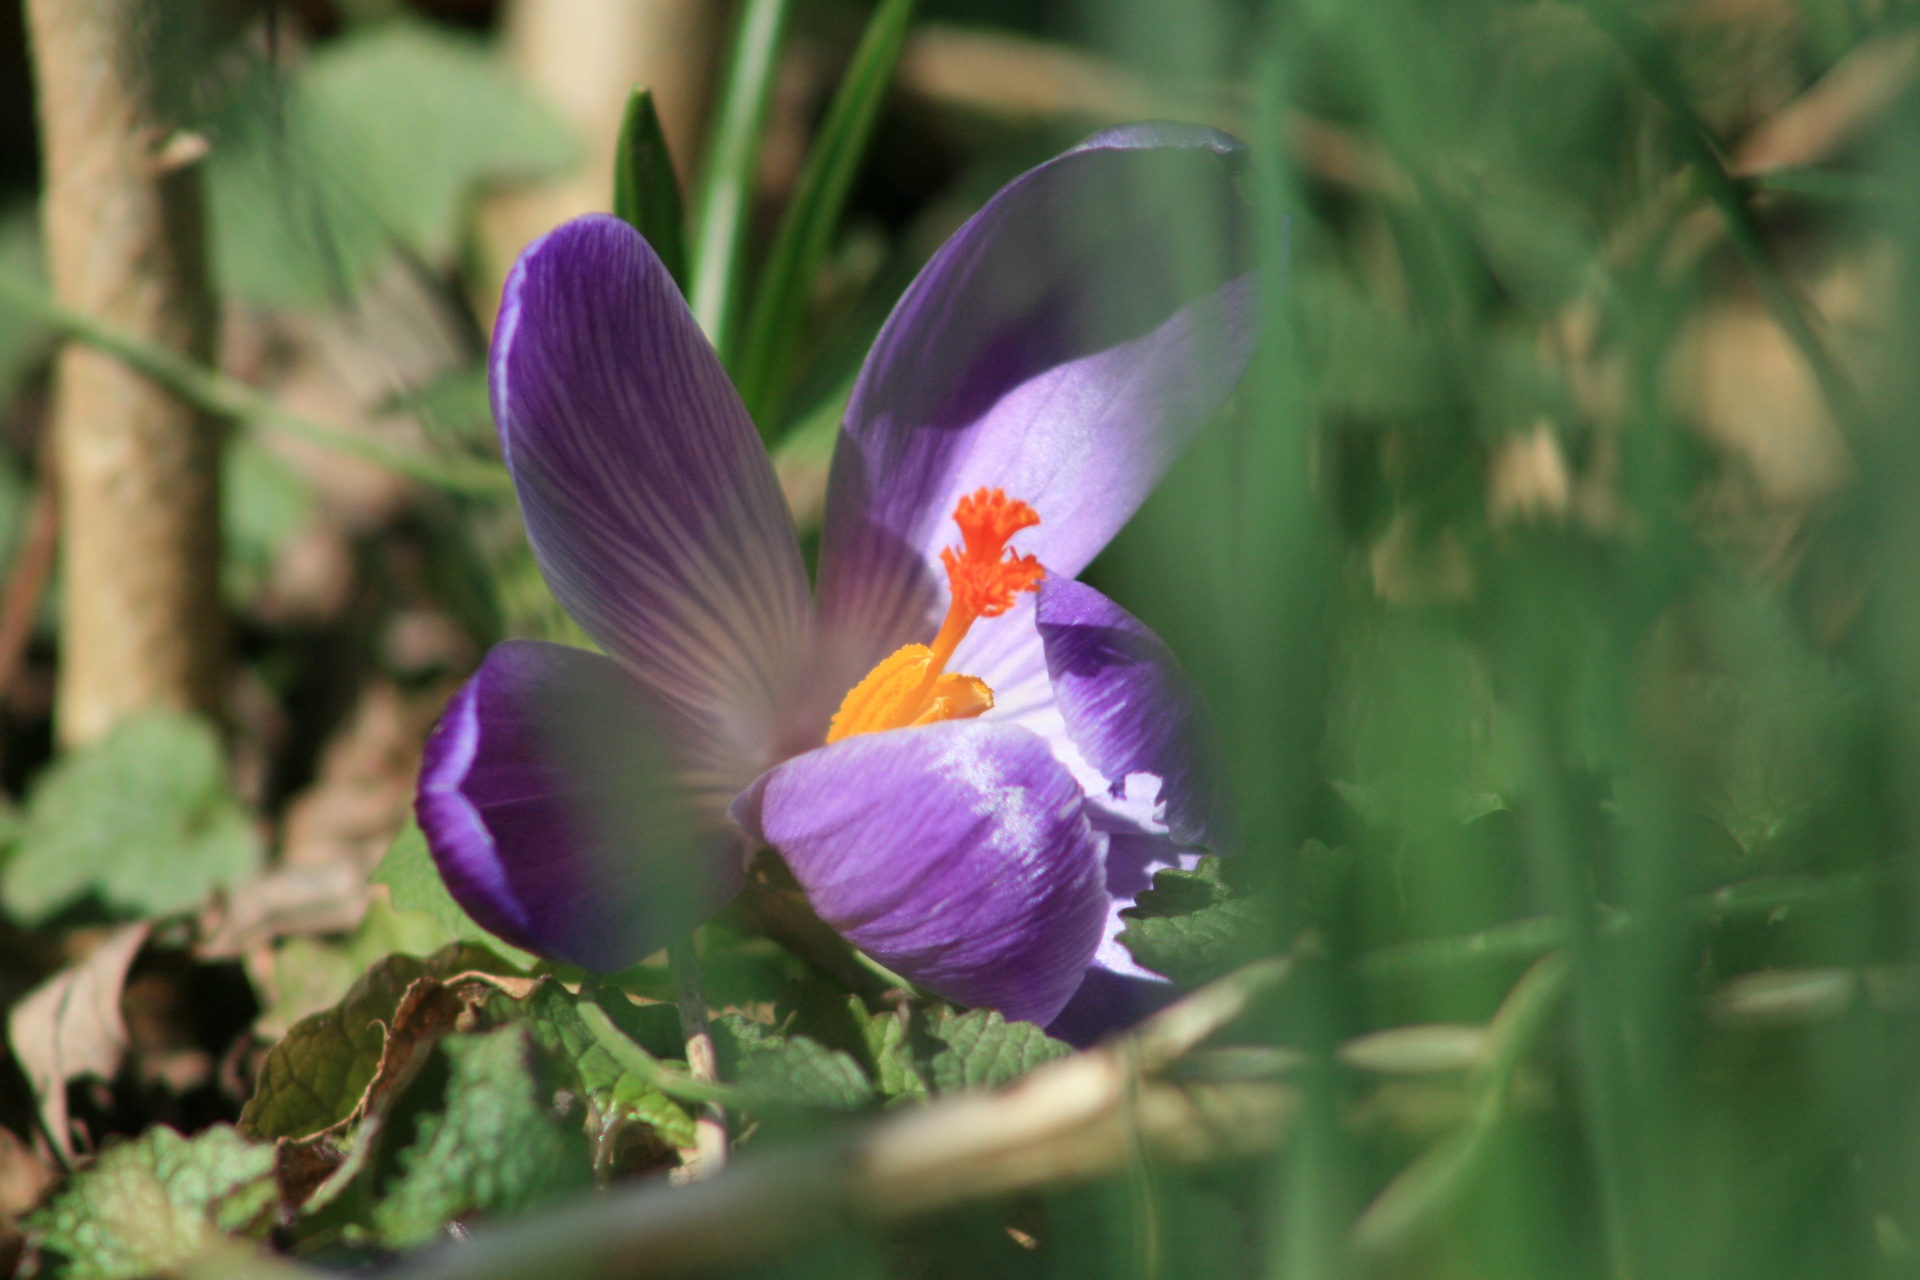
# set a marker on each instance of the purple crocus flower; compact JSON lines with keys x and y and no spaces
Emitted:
{"x":970,"y":761}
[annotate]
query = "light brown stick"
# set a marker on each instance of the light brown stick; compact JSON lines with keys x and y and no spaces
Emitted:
{"x":139,"y":470}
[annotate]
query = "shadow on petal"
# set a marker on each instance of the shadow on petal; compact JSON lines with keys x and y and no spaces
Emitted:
{"x":552,"y":810}
{"x":957,"y":854}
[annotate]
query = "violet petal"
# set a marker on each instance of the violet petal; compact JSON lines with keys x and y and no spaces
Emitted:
{"x":549,"y":806}
{"x":1118,"y":991}
{"x":1131,"y":709}
{"x":1062,"y":346}
{"x":956,"y":854}
{"x":649,"y":500}
{"x":1108,"y":1002}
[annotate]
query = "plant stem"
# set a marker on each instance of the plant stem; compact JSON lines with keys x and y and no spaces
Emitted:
{"x":710,"y":1125}
{"x":214,"y":393}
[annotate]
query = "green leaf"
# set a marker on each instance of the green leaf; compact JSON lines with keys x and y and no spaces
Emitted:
{"x":646,"y":193}
{"x":150,"y":1206}
{"x":315,"y":1077}
{"x":980,"y":1049}
{"x":725,"y":190}
{"x":1192,"y":926}
{"x":383,"y":138}
{"x":596,"y":1064}
{"x":890,"y":1048}
{"x":414,"y":884}
{"x":806,"y":230}
{"x":495,"y":1150}
{"x":143,"y":820}
{"x":790,"y":1070}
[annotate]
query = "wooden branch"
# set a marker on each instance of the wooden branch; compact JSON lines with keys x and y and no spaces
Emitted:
{"x":139,"y":469}
{"x":1083,"y":1117}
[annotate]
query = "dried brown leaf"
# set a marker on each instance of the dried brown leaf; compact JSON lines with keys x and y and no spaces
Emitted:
{"x":71,"y":1026}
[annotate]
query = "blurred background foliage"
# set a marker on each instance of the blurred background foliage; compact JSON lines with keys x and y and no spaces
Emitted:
{"x":1555,"y":576}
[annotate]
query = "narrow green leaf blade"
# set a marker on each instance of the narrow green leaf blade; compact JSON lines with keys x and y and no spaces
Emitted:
{"x":646,"y":194}
{"x":732,"y":161}
{"x":806,"y":230}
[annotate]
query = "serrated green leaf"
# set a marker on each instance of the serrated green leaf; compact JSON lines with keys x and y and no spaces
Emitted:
{"x":554,"y":1018}
{"x":889,"y":1047}
{"x":414,"y":884}
{"x":495,"y":1150}
{"x":143,"y":820}
{"x":776,"y":321}
{"x":315,"y":1077}
{"x":152,"y":1205}
{"x":646,"y":192}
{"x":980,"y":1049}
{"x":788,"y":1070}
{"x":1192,"y":927}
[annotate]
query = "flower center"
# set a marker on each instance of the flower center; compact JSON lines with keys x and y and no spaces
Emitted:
{"x":911,"y":685}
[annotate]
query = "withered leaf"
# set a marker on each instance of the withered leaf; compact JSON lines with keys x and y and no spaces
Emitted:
{"x":71,"y":1026}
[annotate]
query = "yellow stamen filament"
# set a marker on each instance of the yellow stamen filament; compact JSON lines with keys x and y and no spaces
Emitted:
{"x":912,"y":686}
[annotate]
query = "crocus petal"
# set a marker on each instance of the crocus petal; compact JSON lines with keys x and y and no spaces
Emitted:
{"x":956,"y":854}
{"x":649,"y":501}
{"x":547,"y":801}
{"x":1106,"y":1002}
{"x":1061,"y":346}
{"x":1131,"y":710}
{"x":1118,"y":991}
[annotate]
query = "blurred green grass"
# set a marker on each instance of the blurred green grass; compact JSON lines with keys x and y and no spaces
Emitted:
{"x":1599,"y":602}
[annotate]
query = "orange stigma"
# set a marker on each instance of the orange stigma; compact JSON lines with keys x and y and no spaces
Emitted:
{"x":911,"y":686}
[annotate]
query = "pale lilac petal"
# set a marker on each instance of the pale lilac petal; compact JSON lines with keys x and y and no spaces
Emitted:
{"x":1062,"y":346}
{"x":547,"y":802}
{"x":956,"y":854}
{"x":649,"y":500}
{"x":1133,"y":712}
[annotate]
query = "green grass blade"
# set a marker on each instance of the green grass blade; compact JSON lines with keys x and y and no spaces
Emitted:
{"x":646,"y":194}
{"x":765,"y":358}
{"x":732,"y":160}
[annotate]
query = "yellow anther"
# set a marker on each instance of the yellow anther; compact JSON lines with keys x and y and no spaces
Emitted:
{"x":911,"y":686}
